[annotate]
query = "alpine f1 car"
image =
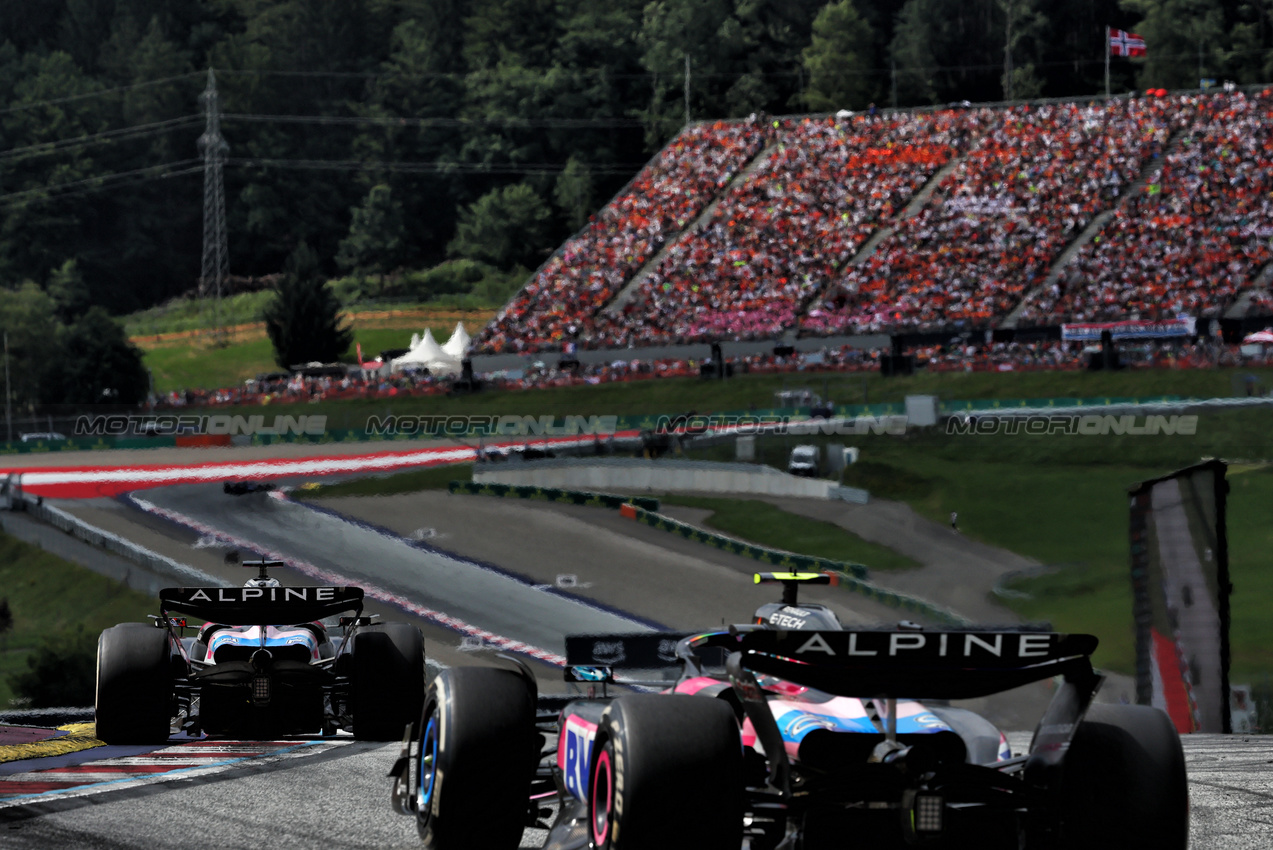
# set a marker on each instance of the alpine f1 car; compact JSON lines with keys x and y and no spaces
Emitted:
{"x":792,"y":733}
{"x":264,"y":664}
{"x":244,"y":488}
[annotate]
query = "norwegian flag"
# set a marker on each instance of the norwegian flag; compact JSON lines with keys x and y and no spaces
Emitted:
{"x":1123,"y":43}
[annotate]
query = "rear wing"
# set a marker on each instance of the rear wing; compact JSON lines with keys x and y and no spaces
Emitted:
{"x":260,"y":606}
{"x":915,"y":664}
{"x":791,"y":583}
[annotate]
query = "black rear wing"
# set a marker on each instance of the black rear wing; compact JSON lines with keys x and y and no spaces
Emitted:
{"x":260,"y":606}
{"x":914,"y":664}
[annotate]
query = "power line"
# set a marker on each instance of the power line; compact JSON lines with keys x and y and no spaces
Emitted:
{"x":100,"y":182}
{"x":99,"y":93}
{"x":421,"y":167}
{"x":104,"y":136}
{"x":395,"y":121}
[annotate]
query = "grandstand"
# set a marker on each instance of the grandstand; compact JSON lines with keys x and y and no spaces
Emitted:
{"x":940,"y":220}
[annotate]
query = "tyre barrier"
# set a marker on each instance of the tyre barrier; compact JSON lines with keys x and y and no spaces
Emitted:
{"x":553,"y":494}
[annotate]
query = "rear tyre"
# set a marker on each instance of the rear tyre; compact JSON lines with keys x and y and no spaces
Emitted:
{"x":1123,"y":782}
{"x":388,"y":680}
{"x":477,"y":738}
{"x":134,"y":685}
{"x":667,"y":771}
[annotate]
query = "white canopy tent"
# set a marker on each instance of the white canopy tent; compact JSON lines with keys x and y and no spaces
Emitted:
{"x":458,"y":345}
{"x":425,"y":353}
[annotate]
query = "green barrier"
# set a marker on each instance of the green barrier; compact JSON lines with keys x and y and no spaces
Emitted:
{"x":553,"y":494}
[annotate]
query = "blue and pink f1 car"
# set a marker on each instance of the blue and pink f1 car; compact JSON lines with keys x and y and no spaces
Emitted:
{"x":792,"y":738}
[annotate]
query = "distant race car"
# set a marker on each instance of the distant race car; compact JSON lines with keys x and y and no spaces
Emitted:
{"x":264,"y":664}
{"x":792,"y":733}
{"x":243,"y":488}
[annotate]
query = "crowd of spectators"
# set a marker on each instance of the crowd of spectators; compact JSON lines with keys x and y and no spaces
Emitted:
{"x":997,"y":223}
{"x":1193,"y":238}
{"x":790,"y":228}
{"x":774,"y":256}
{"x":594,"y":265}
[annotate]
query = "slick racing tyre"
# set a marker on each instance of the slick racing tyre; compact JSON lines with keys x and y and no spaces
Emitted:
{"x":388,"y":680}
{"x":478,"y":751}
{"x":1123,"y":782}
{"x":667,"y":771}
{"x":134,"y":685}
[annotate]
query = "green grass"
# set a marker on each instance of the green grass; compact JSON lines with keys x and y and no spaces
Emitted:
{"x":187,"y":314}
{"x":431,"y":478}
{"x":49,"y":597}
{"x":193,"y":314}
{"x":200,"y":364}
{"x":766,"y":525}
{"x":181,"y":367}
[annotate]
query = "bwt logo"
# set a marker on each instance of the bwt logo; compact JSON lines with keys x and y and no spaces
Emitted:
{"x":126,"y":425}
{"x":608,"y":652}
{"x":1087,"y":425}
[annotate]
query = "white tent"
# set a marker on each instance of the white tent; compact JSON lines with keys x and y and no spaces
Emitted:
{"x":427,"y":354}
{"x":458,"y":344}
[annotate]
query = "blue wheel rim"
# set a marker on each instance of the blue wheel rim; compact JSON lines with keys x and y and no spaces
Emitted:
{"x":428,"y":767}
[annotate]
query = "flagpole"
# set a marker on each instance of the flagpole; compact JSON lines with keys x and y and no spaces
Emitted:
{"x":1107,"y":61}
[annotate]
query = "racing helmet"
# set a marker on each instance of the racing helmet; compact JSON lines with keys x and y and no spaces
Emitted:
{"x":261,"y":582}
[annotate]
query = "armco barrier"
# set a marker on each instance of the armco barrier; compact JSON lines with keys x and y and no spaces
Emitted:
{"x":126,"y":549}
{"x":552,"y":494}
{"x":850,"y":576}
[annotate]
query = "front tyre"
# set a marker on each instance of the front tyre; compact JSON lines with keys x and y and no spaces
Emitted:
{"x":478,"y":751}
{"x":134,"y":685}
{"x":1123,"y":782}
{"x":667,"y":771}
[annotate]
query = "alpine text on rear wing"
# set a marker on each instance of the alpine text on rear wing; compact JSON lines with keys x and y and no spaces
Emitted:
{"x":261,"y":605}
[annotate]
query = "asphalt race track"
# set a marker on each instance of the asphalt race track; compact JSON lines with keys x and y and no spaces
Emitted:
{"x":333,"y":792}
{"x":338,"y":798}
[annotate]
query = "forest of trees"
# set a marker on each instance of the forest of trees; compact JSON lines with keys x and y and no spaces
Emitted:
{"x":404,"y":134}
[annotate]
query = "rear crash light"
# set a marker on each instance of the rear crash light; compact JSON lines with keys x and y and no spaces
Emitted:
{"x":260,"y":690}
{"x":928,"y":813}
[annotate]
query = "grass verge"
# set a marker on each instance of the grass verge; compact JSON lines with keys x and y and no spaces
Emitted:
{"x":430,"y":478}
{"x":768,"y":525}
{"x":50,"y":598}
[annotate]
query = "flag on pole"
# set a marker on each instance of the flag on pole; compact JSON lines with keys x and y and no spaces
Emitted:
{"x":1123,"y":43}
